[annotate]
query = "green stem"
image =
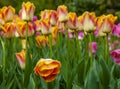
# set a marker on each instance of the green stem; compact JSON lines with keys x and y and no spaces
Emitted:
{"x":50,"y":41}
{"x":4,"y":61}
{"x":106,"y":49}
{"x":91,"y":56}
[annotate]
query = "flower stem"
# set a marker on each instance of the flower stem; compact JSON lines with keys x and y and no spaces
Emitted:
{"x":106,"y":49}
{"x":4,"y":61}
{"x":50,"y":41}
{"x":90,"y":40}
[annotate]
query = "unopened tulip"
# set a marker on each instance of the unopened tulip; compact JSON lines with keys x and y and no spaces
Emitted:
{"x":80,"y":35}
{"x":8,"y":13}
{"x":48,"y":69}
{"x":45,"y":14}
{"x":72,"y":22}
{"x":80,"y":26}
{"x":62,"y":13}
{"x":41,"y":40}
{"x":89,"y":21}
{"x":37,"y":25}
{"x":46,"y":26}
{"x":115,"y":54}
{"x":21,"y":58}
{"x":53,"y":17}
{"x":22,"y":26}
{"x":27,"y":11}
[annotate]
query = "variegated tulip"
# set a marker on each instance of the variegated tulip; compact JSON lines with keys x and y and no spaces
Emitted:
{"x":27,"y":11}
{"x":80,"y":27}
{"x":62,"y":13}
{"x":21,"y":57}
{"x":48,"y":69}
{"x":46,"y":26}
{"x":106,"y":23}
{"x":22,"y":26}
{"x":72,"y":22}
{"x":89,"y":21}
{"x":37,"y":25}
{"x":8,"y":13}
{"x":2,"y":21}
{"x":41,"y":40}
{"x":45,"y":14}
{"x":53,"y":17}
{"x":10,"y":30}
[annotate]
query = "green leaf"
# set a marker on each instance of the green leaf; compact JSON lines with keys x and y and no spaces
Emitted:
{"x":32,"y":83}
{"x":75,"y":86}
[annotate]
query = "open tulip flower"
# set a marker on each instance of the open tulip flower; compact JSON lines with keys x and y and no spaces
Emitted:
{"x":8,"y":13}
{"x":27,"y":11}
{"x":21,"y":58}
{"x":48,"y":69}
{"x":115,"y":54}
{"x":72,"y":22}
{"x":62,"y":13}
{"x":22,"y":27}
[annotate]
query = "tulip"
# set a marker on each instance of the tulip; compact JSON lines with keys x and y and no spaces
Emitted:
{"x":80,"y":35}
{"x":45,"y":14}
{"x":8,"y":13}
{"x":22,"y":26}
{"x":37,"y":25}
{"x":48,"y":69}
{"x":62,"y":13}
{"x":115,"y":54}
{"x":80,"y":26}
{"x":116,"y":30}
{"x":41,"y":40}
{"x":89,"y":21}
{"x":2,"y":21}
{"x":10,"y":30}
{"x":27,"y":11}
{"x":72,"y":22}
{"x":21,"y":58}
{"x":53,"y":17}
{"x":46,"y":26}
{"x":106,"y":23}
{"x":94,"y":48}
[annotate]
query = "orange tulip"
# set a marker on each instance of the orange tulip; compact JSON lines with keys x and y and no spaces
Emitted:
{"x":48,"y":69}
{"x":106,"y":23}
{"x":72,"y":21}
{"x":21,"y":58}
{"x":2,"y":21}
{"x":41,"y":41}
{"x":46,"y":26}
{"x":8,"y":13}
{"x":80,"y":27}
{"x":89,"y":21}
{"x":62,"y":13}
{"x":27,"y":11}
{"x":22,"y":27}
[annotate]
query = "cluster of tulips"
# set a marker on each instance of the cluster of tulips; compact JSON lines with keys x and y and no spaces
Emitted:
{"x":47,"y":32}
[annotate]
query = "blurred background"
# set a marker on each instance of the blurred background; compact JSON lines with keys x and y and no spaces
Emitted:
{"x":79,"y":6}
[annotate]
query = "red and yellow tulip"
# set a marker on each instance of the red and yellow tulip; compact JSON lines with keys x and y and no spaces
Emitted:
{"x":46,"y":26}
{"x":62,"y":13}
{"x":22,"y":26}
{"x":89,"y":21}
{"x":21,"y":58}
{"x":27,"y":11}
{"x":72,"y":22}
{"x":7,"y":13}
{"x":48,"y":69}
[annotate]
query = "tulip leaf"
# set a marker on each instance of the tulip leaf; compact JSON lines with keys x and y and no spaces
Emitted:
{"x":75,"y":86}
{"x":32,"y":83}
{"x":105,"y":74}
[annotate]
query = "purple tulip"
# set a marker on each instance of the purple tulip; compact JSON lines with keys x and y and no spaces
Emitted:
{"x":115,"y":54}
{"x":116,"y":30}
{"x":80,"y":35}
{"x":94,"y":48}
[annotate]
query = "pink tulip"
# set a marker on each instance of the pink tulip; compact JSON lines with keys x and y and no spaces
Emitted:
{"x":80,"y":35}
{"x":94,"y":48}
{"x":116,"y":30}
{"x":115,"y":54}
